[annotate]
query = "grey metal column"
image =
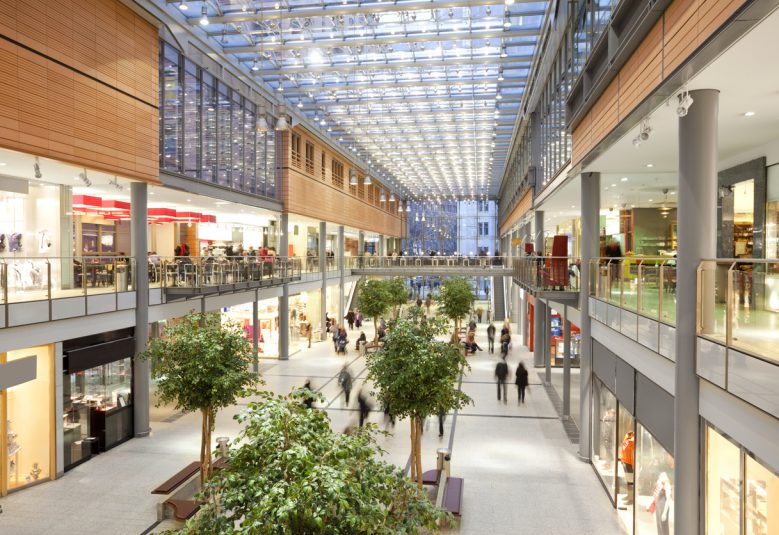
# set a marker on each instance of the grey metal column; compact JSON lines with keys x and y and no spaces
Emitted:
{"x":360,"y":243}
{"x":566,"y":366}
{"x":539,"y":314}
{"x":538,"y":243}
{"x":138,"y":251}
{"x":547,"y":344}
{"x":590,"y":245}
{"x":284,"y":298}
{"x":515,"y":306}
{"x":697,"y":238}
{"x":323,"y":272}
{"x":381,"y":245}
{"x":255,"y":335}
{"x":524,"y":330}
{"x":341,"y":274}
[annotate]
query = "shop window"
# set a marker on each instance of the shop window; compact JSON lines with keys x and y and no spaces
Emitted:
{"x":270,"y":162}
{"x":261,"y":162}
{"x":762,"y":489}
{"x":604,"y":435}
{"x":723,"y":485}
{"x":29,"y":419}
{"x":309,"y":157}
{"x":654,"y":486}
{"x":626,"y":464}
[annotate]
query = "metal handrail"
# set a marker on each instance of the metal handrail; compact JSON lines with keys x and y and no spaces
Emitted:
{"x":548,"y":273}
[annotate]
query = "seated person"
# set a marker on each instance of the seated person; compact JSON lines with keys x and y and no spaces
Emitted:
{"x":470,"y":344}
{"x":362,"y":338}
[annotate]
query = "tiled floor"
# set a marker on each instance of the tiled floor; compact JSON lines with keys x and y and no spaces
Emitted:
{"x":520,"y":470}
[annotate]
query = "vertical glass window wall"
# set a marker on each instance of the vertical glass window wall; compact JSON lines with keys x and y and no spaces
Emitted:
{"x":604,"y":435}
{"x":208,"y":130}
{"x":654,"y":485}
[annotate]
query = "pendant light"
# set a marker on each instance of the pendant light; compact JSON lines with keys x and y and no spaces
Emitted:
{"x":400,"y":207}
{"x":282,"y":124}
{"x":262,"y":121}
{"x":204,"y":16}
{"x":423,"y":218}
{"x":416,"y":217}
{"x":353,"y":178}
{"x":392,"y":196}
{"x":368,"y":180}
{"x":408,"y":206}
{"x":382,"y":197}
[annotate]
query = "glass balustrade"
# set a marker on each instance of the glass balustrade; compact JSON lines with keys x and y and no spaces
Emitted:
{"x":548,"y":273}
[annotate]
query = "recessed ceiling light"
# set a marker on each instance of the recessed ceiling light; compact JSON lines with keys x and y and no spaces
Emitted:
{"x":651,"y":200}
{"x":749,"y":114}
{"x":650,"y":165}
{"x":3,"y":164}
{"x":613,"y":185}
{"x":623,"y":179}
{"x":189,"y":200}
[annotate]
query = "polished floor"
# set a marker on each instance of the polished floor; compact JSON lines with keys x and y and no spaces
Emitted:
{"x":520,"y":469}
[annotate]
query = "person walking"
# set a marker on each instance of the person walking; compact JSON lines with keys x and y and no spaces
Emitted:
{"x":365,"y":408}
{"x":502,"y":372}
{"x":428,"y":304}
{"x":308,"y":397}
{"x":521,"y":381}
{"x":441,"y":417}
{"x":491,"y":338}
{"x":358,"y":319}
{"x":350,"y":319}
{"x":345,"y":380}
{"x":505,"y":341}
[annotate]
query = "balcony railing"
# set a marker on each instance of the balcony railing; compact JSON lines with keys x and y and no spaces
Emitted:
{"x":738,"y":305}
{"x":222,"y":273}
{"x":547,"y":273}
{"x":43,"y":279}
{"x":389,"y":262}
{"x":644,"y":285}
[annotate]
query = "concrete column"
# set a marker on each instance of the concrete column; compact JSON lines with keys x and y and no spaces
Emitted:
{"x":382,"y":239}
{"x":138,"y":251}
{"x":590,"y":245}
{"x":523,"y":328}
{"x":360,"y":243}
{"x":323,"y":272}
{"x":566,"y":366}
{"x":341,"y":274}
{"x":548,"y":344}
{"x":539,"y":314}
{"x":697,"y":213}
{"x":284,"y":298}
{"x":515,"y":306}
{"x":538,"y":230}
{"x":255,"y":335}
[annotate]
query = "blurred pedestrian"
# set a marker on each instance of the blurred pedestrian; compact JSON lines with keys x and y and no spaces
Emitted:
{"x":350,"y":319}
{"x":345,"y":380}
{"x":491,"y":338}
{"x":501,"y":373}
{"x":441,"y":417}
{"x":365,"y":407}
{"x":521,"y":381}
{"x":308,"y":397}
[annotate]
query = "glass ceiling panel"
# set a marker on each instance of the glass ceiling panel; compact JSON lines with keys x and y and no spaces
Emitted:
{"x":426,"y":92}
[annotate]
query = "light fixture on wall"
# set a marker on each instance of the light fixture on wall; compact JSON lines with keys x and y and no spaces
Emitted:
{"x":643,"y":134}
{"x":282,"y":124}
{"x":204,"y":16}
{"x":685,"y":101}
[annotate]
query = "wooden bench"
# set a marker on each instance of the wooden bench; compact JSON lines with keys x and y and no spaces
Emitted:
{"x":178,"y":479}
{"x":453,"y":495}
{"x":183,"y":509}
{"x":431,"y":477}
{"x":372,"y":348}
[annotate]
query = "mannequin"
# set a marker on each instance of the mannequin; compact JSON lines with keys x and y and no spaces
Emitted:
{"x":661,"y":504}
{"x":626,"y":456}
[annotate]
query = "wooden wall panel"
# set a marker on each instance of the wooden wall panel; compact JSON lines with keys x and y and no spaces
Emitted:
{"x":306,"y":193}
{"x":684,"y":26}
{"x":79,"y":83}
{"x":521,"y":208}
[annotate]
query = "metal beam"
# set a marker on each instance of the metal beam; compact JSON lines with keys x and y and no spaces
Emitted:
{"x":385,"y":40}
{"x":394,"y":85}
{"x":351,"y":67}
{"x":424,"y":98}
{"x":336,"y":10}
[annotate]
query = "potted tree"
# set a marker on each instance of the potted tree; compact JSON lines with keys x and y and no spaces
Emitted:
{"x":201,"y":365}
{"x":375,"y":300}
{"x":455,"y":301}
{"x":415,"y":375}
{"x":398,"y":295}
{"x":290,"y":473}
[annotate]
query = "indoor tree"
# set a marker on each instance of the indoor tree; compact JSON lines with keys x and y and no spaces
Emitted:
{"x":375,"y":300}
{"x":398,"y":294}
{"x":455,"y":300}
{"x":415,"y":375}
{"x":290,"y":473}
{"x":199,"y":364}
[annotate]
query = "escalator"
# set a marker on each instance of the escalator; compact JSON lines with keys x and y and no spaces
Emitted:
{"x":498,"y":299}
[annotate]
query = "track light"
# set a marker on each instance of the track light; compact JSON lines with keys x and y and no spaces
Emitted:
{"x":685,"y":101}
{"x":84,"y":178}
{"x":36,"y":167}
{"x":204,"y":16}
{"x":644,"y":133}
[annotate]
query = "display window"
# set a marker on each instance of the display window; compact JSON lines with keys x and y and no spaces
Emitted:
{"x":604,"y":436}
{"x":741,"y":492}
{"x":626,"y":464}
{"x":96,"y":409}
{"x":654,"y":485}
{"x":268,"y":324}
{"x":27,"y":411}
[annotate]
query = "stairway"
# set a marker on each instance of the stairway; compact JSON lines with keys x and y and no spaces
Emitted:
{"x":498,"y":299}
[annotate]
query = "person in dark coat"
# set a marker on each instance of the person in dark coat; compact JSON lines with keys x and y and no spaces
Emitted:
{"x":365,"y":407}
{"x":441,"y":417}
{"x":350,"y":319}
{"x":521,"y":381}
{"x":491,"y":338}
{"x":345,"y":380}
{"x":362,"y":338}
{"x":308,"y":398}
{"x":502,"y":372}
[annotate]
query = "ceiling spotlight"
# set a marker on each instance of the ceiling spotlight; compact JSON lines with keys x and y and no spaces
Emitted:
{"x":84,"y":178}
{"x":685,"y":101}
{"x":749,"y":114}
{"x":643,"y":134}
{"x":37,"y":169}
{"x":204,"y":16}
{"x":282,"y":124}
{"x":183,"y":5}
{"x":368,"y":180}
{"x":353,"y":178}
{"x":115,"y":183}
{"x":509,"y":2}
{"x":255,"y":67}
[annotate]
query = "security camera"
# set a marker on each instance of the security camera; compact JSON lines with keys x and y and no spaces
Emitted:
{"x":37,"y":169}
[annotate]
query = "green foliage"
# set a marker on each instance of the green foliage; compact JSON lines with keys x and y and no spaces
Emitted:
{"x":201,"y":366}
{"x":375,"y":298}
{"x":398,"y":294}
{"x":289,"y":473}
{"x":416,"y":374}
{"x":456,"y":298}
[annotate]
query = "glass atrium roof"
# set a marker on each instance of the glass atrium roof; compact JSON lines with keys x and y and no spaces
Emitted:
{"x":425,"y":92}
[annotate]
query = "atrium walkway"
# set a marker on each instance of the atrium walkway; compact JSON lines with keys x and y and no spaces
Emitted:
{"x":520,"y":469}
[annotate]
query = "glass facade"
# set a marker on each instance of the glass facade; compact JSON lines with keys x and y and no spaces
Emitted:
{"x":604,"y":435}
{"x":209,"y":130}
{"x":740,"y":490}
{"x":654,"y":484}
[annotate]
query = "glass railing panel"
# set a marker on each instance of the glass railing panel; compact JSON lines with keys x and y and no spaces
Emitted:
{"x":754,"y":315}
{"x":667,"y":297}
{"x":648,"y":275}
{"x":629,"y":285}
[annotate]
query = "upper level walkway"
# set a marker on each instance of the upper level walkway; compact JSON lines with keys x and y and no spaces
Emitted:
{"x":412,"y":266}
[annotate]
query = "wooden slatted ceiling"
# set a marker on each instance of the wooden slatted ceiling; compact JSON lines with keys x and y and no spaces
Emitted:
{"x":81,"y":85}
{"x":685,"y":26}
